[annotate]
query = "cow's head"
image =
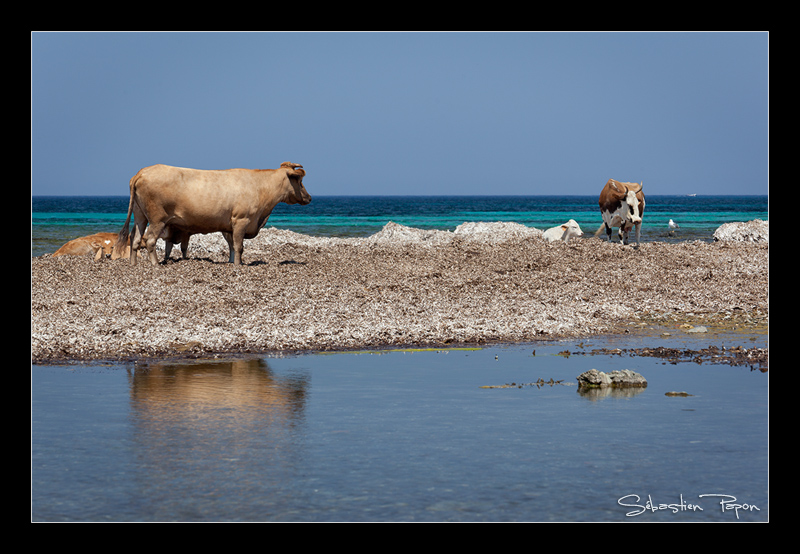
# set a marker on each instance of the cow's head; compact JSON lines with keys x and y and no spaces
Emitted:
{"x":296,"y":193}
{"x":634,"y":213}
{"x":571,"y":229}
{"x":627,"y":193}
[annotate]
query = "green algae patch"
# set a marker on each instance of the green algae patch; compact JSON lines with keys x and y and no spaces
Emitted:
{"x":399,"y":350}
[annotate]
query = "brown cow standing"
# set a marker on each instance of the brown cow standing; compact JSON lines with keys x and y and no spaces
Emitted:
{"x":235,"y":202}
{"x":621,"y":205}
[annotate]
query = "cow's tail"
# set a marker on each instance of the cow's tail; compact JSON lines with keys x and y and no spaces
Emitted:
{"x":600,"y":229}
{"x":124,"y":233}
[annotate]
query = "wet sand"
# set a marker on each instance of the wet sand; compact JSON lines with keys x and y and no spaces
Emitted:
{"x":400,"y":287}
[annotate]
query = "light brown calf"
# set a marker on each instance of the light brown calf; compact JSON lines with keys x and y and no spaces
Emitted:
{"x":97,"y":245}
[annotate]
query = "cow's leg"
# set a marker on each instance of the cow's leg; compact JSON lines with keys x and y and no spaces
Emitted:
{"x":238,"y":244}
{"x":150,"y":238}
{"x":167,"y":249}
{"x":169,"y":235}
{"x":139,"y":226}
{"x":638,"y":229}
{"x":184,"y":244}
{"x":229,"y":240}
{"x":608,"y":231}
{"x":172,"y":237}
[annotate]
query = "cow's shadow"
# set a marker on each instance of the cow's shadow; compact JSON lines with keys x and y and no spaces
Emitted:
{"x":254,"y":263}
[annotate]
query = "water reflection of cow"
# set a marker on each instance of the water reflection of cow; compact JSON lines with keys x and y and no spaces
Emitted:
{"x":220,"y":392}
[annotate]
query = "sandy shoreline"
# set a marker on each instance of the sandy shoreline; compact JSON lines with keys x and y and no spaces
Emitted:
{"x":400,"y":287}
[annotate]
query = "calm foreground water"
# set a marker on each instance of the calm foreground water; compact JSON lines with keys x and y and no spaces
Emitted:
{"x":401,"y":436}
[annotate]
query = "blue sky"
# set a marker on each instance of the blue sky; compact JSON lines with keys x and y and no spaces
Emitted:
{"x":406,"y":113}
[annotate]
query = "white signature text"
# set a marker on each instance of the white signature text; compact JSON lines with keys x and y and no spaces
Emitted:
{"x":725,"y":502}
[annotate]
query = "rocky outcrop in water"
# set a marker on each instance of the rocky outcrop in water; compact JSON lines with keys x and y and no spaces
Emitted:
{"x":617,"y":378}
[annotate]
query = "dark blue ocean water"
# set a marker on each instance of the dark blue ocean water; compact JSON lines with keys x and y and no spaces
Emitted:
{"x":58,"y":219}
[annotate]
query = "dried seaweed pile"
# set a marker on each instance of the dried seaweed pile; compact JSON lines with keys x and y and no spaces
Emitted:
{"x":399,"y":287}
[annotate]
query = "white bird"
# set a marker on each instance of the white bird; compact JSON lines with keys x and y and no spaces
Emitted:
{"x":673,"y":226}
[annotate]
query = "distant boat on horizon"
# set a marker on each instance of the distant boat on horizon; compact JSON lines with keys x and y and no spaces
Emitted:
{"x":695,"y":194}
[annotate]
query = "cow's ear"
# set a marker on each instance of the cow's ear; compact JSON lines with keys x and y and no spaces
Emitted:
{"x":298,"y":173}
{"x":293,"y":169}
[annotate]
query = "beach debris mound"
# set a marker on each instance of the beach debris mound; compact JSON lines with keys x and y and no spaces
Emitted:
{"x":496,"y":231}
{"x":391,"y":235}
{"x":394,"y":234}
{"x":617,"y":378}
{"x":756,"y":230}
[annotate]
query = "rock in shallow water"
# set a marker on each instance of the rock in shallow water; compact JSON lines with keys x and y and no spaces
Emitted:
{"x":616,"y":378}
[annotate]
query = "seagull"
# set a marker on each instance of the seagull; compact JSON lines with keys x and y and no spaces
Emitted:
{"x":673,"y":226}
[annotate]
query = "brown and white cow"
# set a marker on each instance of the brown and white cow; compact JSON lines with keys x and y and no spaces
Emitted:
{"x":235,"y":202}
{"x":98,"y":245}
{"x":621,"y":205}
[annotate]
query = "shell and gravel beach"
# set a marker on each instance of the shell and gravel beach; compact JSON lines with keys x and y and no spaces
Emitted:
{"x":482,"y":283}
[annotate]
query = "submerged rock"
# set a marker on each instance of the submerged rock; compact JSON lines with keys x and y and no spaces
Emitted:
{"x":698,"y":329}
{"x":616,"y":378}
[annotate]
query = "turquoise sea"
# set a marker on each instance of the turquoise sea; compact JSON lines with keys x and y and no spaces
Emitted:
{"x":58,"y":219}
